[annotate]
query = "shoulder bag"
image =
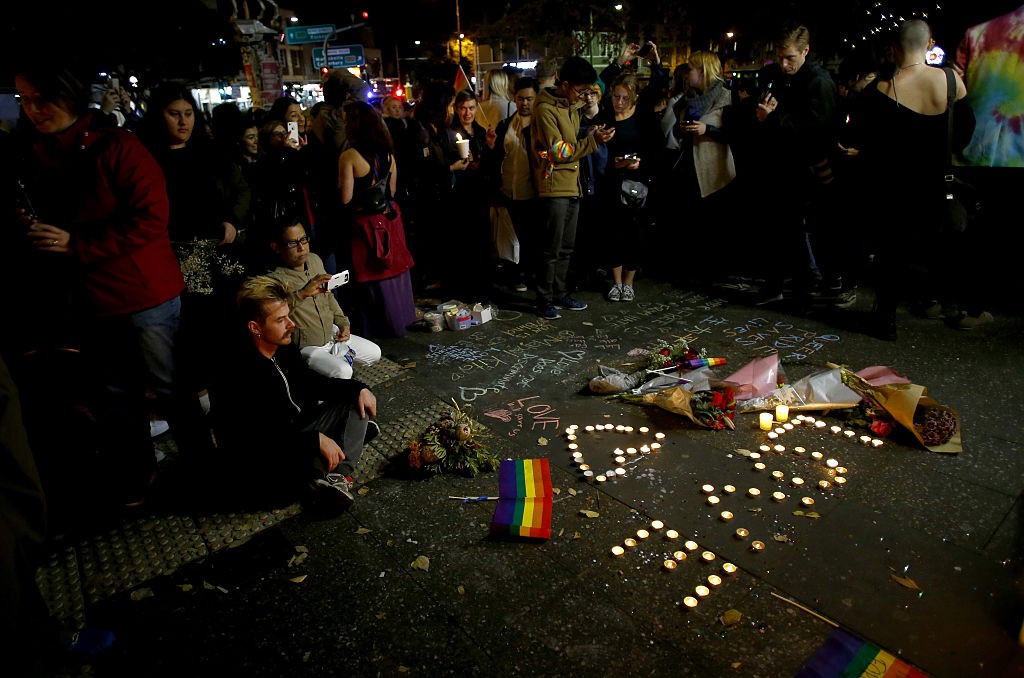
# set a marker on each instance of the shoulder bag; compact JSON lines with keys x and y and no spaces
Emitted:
{"x":961,"y":199}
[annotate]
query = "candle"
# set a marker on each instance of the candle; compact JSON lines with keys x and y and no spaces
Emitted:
{"x":728,"y":489}
{"x":836,"y":429}
{"x":849,"y":434}
{"x":726,"y":515}
{"x":669,"y":565}
{"x":702,"y":591}
{"x":629,"y":429}
{"x":587,"y":473}
{"x":713,"y":500}
{"x":816,"y":455}
{"x":759,"y":466}
{"x":575,"y":427}
{"x":690,"y":545}
{"x":620,"y":428}
{"x":831,"y":463}
{"x":753,"y":492}
{"x":714,"y":580}
{"x":655,"y":446}
{"x":807,"y":501}
{"x":839,"y":480}
{"x":841,"y":470}
{"x":819,"y":424}
{"x":757,"y":546}
{"x":671,"y":534}
{"x":782,"y":412}
{"x":600,"y":479}
{"x":824,"y":484}
{"x":463,"y":146}
{"x":708,"y":556}
{"x":755,"y":455}
{"x":620,"y":460}
{"x":765,"y":448}
{"x":876,"y":442}
{"x":778,"y":496}
{"x":645,"y":449}
{"x":570,"y":437}
{"x":778,"y":475}
{"x":642,"y":534}
{"x":617,"y":550}
{"x":742,"y":533}
{"x":589,"y":428}
{"x":707,"y":489}
{"x":679,"y":555}
{"x":657,"y":525}
{"x":644,"y":429}
{"x":630,"y":450}
{"x":620,"y":471}
{"x":810,"y":419}
{"x":797,"y":481}
{"x":779,"y":430}
{"x":787,"y":426}
{"x":630,"y":543}
{"x":728,"y":568}
{"x":866,"y":440}
{"x":659,"y":436}
{"x":772,"y":435}
{"x":799,"y":450}
{"x":779,"y":448}
{"x":584,"y":467}
{"x":609,"y":427}
{"x":573,"y":446}
{"x":577,"y":455}
{"x":690,"y":602}
{"x":764,"y":421}
{"x":799,"y":420}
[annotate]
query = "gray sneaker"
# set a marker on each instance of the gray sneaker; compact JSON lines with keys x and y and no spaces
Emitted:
{"x":627,"y":293}
{"x":615,"y":293}
{"x":332,"y":494}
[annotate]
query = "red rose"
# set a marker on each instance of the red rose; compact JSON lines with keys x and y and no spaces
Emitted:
{"x":881,"y":428}
{"x":663,"y":351}
{"x":718,"y":399}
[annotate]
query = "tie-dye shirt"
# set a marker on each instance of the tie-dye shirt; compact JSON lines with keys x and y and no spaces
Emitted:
{"x":991,"y":57}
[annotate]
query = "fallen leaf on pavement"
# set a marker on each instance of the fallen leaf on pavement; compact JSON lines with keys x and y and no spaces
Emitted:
{"x":298,"y":580}
{"x":363,"y":490}
{"x":906,"y":582}
{"x":555,"y":490}
{"x":572,"y":492}
{"x":781,"y":537}
{"x":363,"y":530}
{"x":589,"y":514}
{"x":542,"y":441}
{"x":142,"y":594}
{"x":421,"y":563}
{"x":731,"y":617}
{"x":461,"y":590}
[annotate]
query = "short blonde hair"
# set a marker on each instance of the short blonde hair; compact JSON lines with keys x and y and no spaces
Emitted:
{"x":709,"y":64}
{"x":255,"y":293}
{"x":497,"y":83}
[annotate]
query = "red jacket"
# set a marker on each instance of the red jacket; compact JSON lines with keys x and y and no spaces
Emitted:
{"x":110,"y":194}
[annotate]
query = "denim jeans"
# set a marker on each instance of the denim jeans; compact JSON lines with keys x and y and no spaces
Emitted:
{"x":557,"y":242}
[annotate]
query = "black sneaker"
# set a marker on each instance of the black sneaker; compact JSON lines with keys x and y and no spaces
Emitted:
{"x":548,"y":312}
{"x":332,"y":494}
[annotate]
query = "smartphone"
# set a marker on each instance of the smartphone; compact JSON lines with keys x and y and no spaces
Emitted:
{"x":293,"y":131}
{"x":630,"y":156}
{"x":767,"y":93}
{"x":645,"y":50}
{"x":24,"y":202}
{"x":338,"y":279}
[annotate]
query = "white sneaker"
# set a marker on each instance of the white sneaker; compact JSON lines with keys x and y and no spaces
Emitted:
{"x":615,"y":293}
{"x":627,"y":293}
{"x":158,"y":427}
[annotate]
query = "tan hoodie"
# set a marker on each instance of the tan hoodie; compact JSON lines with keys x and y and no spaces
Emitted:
{"x":556,"y":149}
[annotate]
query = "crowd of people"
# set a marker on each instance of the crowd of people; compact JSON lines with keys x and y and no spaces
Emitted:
{"x":143,"y":228}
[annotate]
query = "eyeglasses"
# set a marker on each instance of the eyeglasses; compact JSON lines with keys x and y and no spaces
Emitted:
{"x":292,"y":244}
{"x":590,"y":93}
{"x":581,"y":92}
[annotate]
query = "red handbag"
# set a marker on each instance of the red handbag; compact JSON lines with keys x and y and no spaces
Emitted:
{"x":378,"y":246}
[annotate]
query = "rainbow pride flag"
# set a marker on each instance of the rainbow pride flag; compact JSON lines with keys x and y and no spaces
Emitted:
{"x":524,"y":499}
{"x":844,"y":655}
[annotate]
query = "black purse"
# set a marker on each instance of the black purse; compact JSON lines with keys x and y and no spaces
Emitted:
{"x":962,"y":204}
{"x":633,"y":194}
{"x":377,"y":198}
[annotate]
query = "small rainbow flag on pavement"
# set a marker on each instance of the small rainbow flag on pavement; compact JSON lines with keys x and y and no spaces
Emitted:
{"x":844,"y":655}
{"x":524,"y":499}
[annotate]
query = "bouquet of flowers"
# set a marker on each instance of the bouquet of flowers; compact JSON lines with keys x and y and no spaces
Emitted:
{"x":663,"y":354}
{"x":203,"y":263}
{"x":452,"y":443}
{"x":712,"y":408}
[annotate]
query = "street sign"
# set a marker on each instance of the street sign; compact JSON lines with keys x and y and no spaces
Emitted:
{"x":304,"y":35}
{"x":339,"y":56}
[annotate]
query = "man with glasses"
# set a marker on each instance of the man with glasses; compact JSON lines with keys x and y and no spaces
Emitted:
{"x":557,"y":154}
{"x":324,"y":339}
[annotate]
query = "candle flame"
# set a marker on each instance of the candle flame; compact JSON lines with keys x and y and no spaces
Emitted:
{"x":458,"y":137}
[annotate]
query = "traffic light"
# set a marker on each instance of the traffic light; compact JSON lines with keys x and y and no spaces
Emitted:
{"x":366,"y":15}
{"x":399,"y":92}
{"x":324,"y":71}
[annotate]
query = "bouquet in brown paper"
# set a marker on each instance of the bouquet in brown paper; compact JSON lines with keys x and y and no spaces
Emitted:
{"x":712,"y":408}
{"x":935,"y":426}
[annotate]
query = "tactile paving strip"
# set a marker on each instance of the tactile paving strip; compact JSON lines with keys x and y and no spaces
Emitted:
{"x":220,"y":530}
{"x":61,"y":586}
{"x":377,"y":373}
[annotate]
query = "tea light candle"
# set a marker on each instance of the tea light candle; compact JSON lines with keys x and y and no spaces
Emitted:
{"x":671,"y":534}
{"x":588,"y":474}
{"x":809,"y":419}
{"x":876,"y":442}
{"x":659,"y":436}
{"x":669,"y":565}
{"x":629,"y":429}
{"x":573,"y":446}
{"x":755,"y":455}
{"x":645,"y":448}
{"x":690,"y":545}
{"x":779,"y":430}
{"x":630,"y":543}
{"x":620,"y":428}
{"x":728,"y":489}
{"x":657,"y":525}
{"x":778,"y":475}
{"x":584,"y":467}
{"x":574,"y":427}
{"x":849,"y":434}
{"x":836,"y":430}
{"x":765,"y":448}
{"x":728,"y":568}
{"x":819,"y":424}
{"x":609,"y":427}
{"x":708,"y":556}
{"x":707,"y":489}
{"x":589,"y":428}
{"x":817,"y":455}
{"x":679,"y":555}
{"x":742,"y":533}
{"x":824,"y":484}
{"x":644,"y":429}
{"x":757,"y":546}
{"x":620,"y":460}
{"x":620,"y":471}
{"x":570,"y":437}
{"x":831,"y":463}
{"x":713,"y":500}
{"x":617,"y":550}
{"x":764,"y":421}
{"x":577,"y":455}
{"x":642,"y":534}
{"x":797,"y":481}
{"x":779,"y":448}
{"x":787,"y":426}
{"x":690,"y":602}
{"x":714,"y":580}
{"x":865,"y":439}
{"x":753,"y":492}
{"x":759,"y":466}
{"x":726,"y":516}
{"x":782,"y":412}
{"x":778,"y":496}
{"x":655,"y":446}
{"x":600,"y":479}
{"x":841,"y":470}
{"x":630,"y":450}
{"x":799,"y":450}
{"x":702,"y":591}
{"x":798,"y":421}
{"x":807,"y":501}
{"x":839,"y":480}
{"x":772,"y":435}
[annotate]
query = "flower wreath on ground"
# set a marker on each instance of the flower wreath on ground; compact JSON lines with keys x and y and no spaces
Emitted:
{"x":452,"y":444}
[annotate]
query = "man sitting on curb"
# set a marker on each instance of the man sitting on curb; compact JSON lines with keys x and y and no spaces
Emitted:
{"x":322,"y":327}
{"x":290,"y":427}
